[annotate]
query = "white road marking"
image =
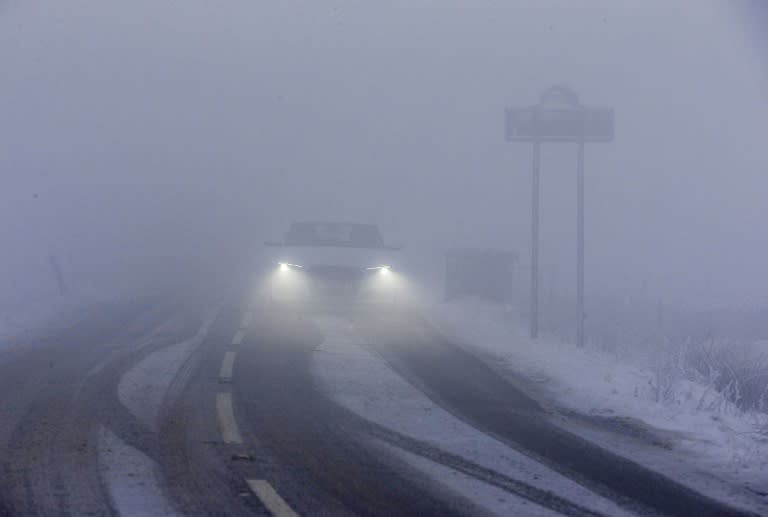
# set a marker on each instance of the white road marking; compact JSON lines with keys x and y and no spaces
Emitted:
{"x":229,"y":431}
{"x":227,"y":364}
{"x":239,"y":335}
{"x":247,"y":317}
{"x":271,"y":499}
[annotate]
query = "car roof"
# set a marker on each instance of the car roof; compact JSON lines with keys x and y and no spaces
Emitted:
{"x":334,"y":223}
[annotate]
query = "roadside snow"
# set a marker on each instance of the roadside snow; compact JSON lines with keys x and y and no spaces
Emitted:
{"x":696,"y":436}
{"x":362,"y":382}
{"x":131,"y":478}
{"x":20,"y":317}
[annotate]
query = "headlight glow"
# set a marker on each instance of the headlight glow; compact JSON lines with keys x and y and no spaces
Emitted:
{"x":285,"y":266}
{"x":383,"y":270}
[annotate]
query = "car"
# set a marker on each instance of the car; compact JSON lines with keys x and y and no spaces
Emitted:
{"x":321,"y":263}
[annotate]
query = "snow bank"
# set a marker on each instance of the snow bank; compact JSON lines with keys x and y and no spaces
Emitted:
{"x":21,"y":316}
{"x":634,"y":388}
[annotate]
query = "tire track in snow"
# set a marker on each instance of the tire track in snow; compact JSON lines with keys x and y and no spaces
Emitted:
{"x":357,"y":379}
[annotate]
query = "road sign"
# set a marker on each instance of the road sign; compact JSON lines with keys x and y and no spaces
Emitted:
{"x":544,"y":124}
{"x":558,"y":117}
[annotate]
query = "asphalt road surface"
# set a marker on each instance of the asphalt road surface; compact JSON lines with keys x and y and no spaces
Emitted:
{"x":230,"y":421}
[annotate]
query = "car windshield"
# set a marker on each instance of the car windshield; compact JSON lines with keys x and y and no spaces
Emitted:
{"x":334,"y":234}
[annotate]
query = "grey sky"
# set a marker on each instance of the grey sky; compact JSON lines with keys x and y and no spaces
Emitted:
{"x":153,"y":131}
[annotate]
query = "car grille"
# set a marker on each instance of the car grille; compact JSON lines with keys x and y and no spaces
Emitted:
{"x":341,"y":273}
{"x":335,"y":280}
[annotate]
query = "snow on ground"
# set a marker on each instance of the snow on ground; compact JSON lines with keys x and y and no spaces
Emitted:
{"x":362,"y":382}
{"x":27,"y":315}
{"x":142,"y":389}
{"x":484,"y":495}
{"x":131,"y":478}
{"x":696,"y":436}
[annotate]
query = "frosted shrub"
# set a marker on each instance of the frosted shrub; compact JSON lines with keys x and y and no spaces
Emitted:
{"x":738,"y":371}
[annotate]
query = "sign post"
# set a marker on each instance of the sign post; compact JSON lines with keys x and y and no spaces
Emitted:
{"x":535,"y":198}
{"x":558,"y":117}
{"x":580,"y":313}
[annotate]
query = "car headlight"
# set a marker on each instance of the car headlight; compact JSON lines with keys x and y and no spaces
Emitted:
{"x":382,"y":270}
{"x":287,"y":266}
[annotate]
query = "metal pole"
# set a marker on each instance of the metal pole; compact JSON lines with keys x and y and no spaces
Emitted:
{"x":535,"y":242}
{"x":580,"y":253}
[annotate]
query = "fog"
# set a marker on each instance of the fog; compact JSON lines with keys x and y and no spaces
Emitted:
{"x":142,"y":138}
{"x":172,"y":342}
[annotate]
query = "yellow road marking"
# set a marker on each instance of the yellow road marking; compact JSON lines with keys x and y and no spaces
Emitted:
{"x":227,"y":365}
{"x":227,"y":425}
{"x":271,"y":499}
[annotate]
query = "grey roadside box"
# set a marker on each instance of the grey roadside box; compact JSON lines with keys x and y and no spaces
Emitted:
{"x":483,"y":273}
